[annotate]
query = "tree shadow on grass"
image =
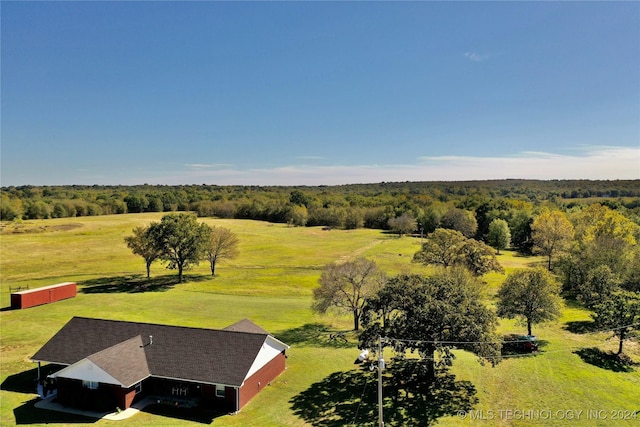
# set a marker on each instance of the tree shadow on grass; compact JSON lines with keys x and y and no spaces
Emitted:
{"x":135,"y":283}
{"x":581,"y":326}
{"x":350,"y":398}
{"x":606,"y":359}
{"x":319,"y":335}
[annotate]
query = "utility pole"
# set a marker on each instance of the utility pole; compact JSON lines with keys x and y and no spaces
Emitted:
{"x":380,"y":368}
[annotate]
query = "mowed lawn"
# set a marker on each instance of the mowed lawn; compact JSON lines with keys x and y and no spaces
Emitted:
{"x":271,"y":283}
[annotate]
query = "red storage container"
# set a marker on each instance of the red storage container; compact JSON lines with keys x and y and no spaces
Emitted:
{"x":44,"y":295}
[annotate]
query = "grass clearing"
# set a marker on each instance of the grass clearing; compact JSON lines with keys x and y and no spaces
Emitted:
{"x":271,"y":282}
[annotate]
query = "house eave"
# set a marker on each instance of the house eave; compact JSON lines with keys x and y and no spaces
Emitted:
{"x":195,"y":381}
{"x":152,"y":376}
{"x":140,"y":380}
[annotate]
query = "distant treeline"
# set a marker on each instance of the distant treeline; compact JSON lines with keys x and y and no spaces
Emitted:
{"x":342,"y":206}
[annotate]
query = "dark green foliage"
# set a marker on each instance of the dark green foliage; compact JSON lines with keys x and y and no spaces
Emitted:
{"x":600,"y":282}
{"x":520,"y":225}
{"x":136,"y":203}
{"x":431,"y":315}
{"x":298,"y":198}
{"x":144,"y":243}
{"x":180,"y":239}
{"x":499,"y":235}
{"x":377,"y":203}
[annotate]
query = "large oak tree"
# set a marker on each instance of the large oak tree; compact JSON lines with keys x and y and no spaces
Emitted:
{"x":345,"y":286}
{"x":431,"y":315}
{"x":180,"y":239}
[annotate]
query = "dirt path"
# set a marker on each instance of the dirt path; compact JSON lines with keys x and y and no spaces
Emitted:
{"x":352,"y":255}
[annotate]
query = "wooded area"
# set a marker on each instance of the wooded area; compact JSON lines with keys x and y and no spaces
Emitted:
{"x":324,"y":204}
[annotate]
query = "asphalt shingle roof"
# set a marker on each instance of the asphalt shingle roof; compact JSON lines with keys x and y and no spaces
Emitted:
{"x":195,"y":354}
{"x":246,"y":325}
{"x":126,"y":361}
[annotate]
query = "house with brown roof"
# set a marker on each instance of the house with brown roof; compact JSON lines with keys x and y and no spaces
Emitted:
{"x":108,"y":364}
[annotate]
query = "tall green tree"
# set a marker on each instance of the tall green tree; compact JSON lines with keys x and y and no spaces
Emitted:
{"x":619,"y":312}
{"x":221,"y":244}
{"x":520,"y":226}
{"x":431,"y":316}
{"x":499,"y":235}
{"x":180,"y":240}
{"x":530,"y":294}
{"x":143,"y":243}
{"x":551,"y":233}
{"x":345,"y":287}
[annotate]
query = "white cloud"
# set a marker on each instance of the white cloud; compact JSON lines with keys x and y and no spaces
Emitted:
{"x":587,"y":163}
{"x":207,"y":165}
{"x":476,"y":57}
{"x":310,"y":158}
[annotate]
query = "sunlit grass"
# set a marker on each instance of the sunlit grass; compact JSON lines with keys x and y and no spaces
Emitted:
{"x":271,"y":282}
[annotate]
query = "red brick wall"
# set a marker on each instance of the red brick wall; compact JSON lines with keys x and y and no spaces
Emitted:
{"x":126,"y":397}
{"x":261,"y":379}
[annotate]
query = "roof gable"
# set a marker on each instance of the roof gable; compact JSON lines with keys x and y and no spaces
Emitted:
{"x":126,"y":362}
{"x":270,"y":349}
{"x":246,"y":325}
{"x":86,"y":370}
{"x":194,"y":354}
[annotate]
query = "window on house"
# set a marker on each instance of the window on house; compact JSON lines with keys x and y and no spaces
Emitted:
{"x":138,"y":387}
{"x":92,"y":385}
{"x":180,"y":390}
{"x":220,"y":391}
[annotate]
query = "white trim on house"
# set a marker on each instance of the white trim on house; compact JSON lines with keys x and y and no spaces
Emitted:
{"x":271,"y":348}
{"x":86,"y":370}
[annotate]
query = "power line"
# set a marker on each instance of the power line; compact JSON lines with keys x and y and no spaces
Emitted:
{"x":355,"y":417}
{"x":443,"y":342}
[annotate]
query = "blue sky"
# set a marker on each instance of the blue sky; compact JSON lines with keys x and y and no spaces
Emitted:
{"x":311,"y":93}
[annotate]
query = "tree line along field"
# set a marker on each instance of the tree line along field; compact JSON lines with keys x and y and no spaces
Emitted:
{"x":271,"y":282}
{"x":348,"y":206}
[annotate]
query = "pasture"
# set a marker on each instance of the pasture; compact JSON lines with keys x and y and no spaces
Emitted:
{"x":271,"y":282}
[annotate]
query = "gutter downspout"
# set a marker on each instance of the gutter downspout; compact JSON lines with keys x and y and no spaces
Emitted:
{"x":237,"y":400}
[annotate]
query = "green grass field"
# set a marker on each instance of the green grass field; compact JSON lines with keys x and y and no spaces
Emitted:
{"x":271,"y":283}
